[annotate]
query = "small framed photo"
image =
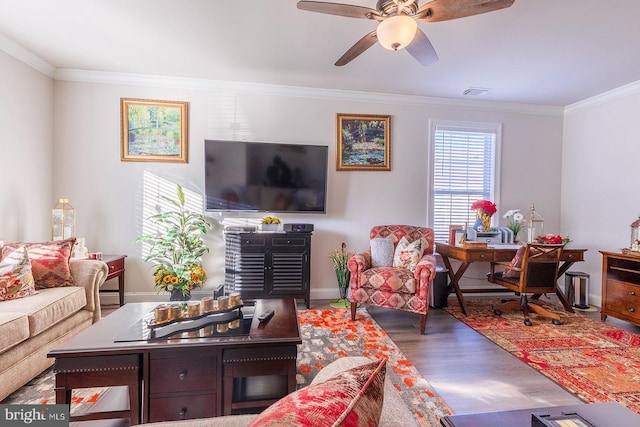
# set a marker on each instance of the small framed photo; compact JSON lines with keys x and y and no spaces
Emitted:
{"x":153,"y":131}
{"x":459,"y":237}
{"x":363,"y":142}
{"x":452,"y":233}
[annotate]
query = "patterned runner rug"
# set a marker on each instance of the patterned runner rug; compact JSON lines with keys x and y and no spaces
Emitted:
{"x":327,"y":335}
{"x":596,"y":361}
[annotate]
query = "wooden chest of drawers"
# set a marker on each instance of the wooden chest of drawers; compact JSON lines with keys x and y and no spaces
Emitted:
{"x":183,"y":384}
{"x":621,"y":286}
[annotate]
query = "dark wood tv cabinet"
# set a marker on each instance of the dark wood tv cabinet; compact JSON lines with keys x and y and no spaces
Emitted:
{"x":183,"y":378}
{"x":264,"y":265}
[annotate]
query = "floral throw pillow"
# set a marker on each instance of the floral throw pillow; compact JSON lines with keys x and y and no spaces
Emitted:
{"x":16,"y":278}
{"x":408,"y":254}
{"x":351,"y":398}
{"x":49,"y":261}
{"x":516,"y":263}
{"x":381,"y":252}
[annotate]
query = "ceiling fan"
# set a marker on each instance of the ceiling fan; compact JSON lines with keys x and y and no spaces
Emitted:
{"x":397,"y":22}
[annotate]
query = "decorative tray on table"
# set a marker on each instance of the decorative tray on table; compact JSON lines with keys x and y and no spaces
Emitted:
{"x":186,"y":323}
{"x":230,"y":322}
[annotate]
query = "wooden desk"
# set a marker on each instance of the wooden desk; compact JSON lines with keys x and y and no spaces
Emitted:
{"x":498,"y":253}
{"x":116,"y":269}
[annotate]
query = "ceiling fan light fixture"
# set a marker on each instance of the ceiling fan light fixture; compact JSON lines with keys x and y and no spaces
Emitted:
{"x":396,"y":32}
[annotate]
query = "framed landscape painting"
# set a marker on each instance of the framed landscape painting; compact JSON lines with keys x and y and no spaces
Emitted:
{"x":153,"y":131}
{"x":363,"y":142}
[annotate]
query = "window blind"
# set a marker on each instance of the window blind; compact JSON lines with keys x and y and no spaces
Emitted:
{"x":463,"y":172}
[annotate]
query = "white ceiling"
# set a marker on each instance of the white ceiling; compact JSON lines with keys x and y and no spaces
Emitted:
{"x":546,"y":52}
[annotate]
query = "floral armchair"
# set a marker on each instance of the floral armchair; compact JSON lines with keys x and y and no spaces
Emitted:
{"x":394,"y":287}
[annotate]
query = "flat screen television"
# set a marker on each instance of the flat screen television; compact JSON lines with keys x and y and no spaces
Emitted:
{"x":265,"y":177}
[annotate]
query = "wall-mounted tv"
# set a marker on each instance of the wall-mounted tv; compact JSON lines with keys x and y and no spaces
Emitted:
{"x":265,"y":177}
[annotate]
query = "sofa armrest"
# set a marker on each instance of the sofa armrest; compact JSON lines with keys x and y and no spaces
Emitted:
{"x":90,"y":274}
{"x":424,"y":273}
{"x":426,"y":269}
{"x":356,"y":265}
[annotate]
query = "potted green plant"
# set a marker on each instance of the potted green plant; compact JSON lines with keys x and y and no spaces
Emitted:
{"x":339,"y":259}
{"x":177,"y":249}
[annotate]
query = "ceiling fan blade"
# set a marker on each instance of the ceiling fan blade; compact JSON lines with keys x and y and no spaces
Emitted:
{"x":360,"y":46}
{"x":444,"y":10}
{"x":422,"y":49}
{"x":347,"y":10}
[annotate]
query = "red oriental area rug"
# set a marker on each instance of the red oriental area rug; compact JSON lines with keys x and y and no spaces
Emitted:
{"x":596,"y":361}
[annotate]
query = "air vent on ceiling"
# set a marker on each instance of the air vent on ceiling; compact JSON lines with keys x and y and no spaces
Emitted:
{"x":475,"y":91}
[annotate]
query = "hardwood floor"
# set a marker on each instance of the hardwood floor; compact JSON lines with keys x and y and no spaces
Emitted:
{"x":471,"y":373}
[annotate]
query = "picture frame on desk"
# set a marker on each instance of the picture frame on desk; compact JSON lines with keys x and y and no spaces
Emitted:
{"x":459,"y":237}
{"x":452,"y":233}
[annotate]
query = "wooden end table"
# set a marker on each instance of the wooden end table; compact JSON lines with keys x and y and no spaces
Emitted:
{"x":116,"y":269}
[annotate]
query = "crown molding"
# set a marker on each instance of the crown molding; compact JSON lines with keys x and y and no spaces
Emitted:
{"x":603,"y":98}
{"x":21,"y":54}
{"x":84,"y":76}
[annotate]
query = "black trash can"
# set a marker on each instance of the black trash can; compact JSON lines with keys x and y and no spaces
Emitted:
{"x":576,"y":289}
{"x":439,"y":292}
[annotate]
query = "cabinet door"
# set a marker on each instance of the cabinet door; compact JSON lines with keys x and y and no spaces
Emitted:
{"x":289,"y":265}
{"x":245,"y":265}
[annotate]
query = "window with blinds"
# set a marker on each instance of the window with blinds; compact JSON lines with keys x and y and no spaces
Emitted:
{"x":464,"y":159}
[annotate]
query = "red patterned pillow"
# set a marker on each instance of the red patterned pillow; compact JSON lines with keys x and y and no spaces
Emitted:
{"x":49,"y":261}
{"x":16,"y":278}
{"x":516,"y":263}
{"x":351,"y":398}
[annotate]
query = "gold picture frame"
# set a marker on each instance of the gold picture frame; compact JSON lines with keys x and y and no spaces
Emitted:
{"x":363,"y":142}
{"x":153,"y":131}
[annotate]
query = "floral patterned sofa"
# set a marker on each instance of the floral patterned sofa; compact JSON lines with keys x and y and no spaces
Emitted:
{"x":34,"y":319}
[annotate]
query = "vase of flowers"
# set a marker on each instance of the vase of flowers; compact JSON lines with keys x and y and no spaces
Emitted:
{"x":270,"y":223}
{"x":339,"y":259}
{"x":515,"y":222}
{"x":484,"y":210}
{"x":177,"y":248}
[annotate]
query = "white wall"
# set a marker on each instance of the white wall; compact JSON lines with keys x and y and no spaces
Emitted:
{"x":107,"y":193}
{"x":600,"y":192}
{"x":26,"y":147}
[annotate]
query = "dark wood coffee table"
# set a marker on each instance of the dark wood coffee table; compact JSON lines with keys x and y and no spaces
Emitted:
{"x":183,"y":378}
{"x":608,"y":414}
